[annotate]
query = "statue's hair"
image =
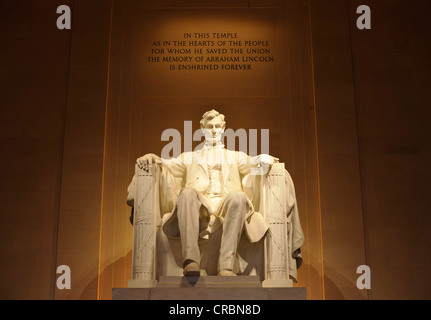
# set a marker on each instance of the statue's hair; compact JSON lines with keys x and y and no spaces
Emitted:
{"x":209,"y":115}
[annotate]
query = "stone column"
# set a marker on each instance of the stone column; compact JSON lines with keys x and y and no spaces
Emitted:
{"x":273,"y":203}
{"x":146,"y":211}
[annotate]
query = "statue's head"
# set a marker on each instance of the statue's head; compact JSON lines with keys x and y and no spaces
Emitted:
{"x":213,"y":125}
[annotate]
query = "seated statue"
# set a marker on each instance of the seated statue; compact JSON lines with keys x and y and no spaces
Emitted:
{"x":216,"y":190}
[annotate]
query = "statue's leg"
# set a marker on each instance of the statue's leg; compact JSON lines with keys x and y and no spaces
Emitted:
{"x":188,"y":206}
{"x":234,"y":212}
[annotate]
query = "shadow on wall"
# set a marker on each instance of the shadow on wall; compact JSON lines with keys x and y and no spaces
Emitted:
{"x":336,"y":285}
{"x":346,"y":290}
{"x":106,"y":288}
{"x":307,"y":277}
{"x":86,"y":286}
{"x":120,"y":264}
{"x":339,"y":287}
{"x":83,"y":285}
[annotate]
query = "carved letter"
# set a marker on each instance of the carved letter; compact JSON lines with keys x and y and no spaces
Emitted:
{"x":364,"y":281}
{"x":188,"y":136}
{"x":64,"y":21}
{"x":63,"y":281}
{"x":231,"y":135}
{"x":364,"y":21}
{"x":174,"y":145}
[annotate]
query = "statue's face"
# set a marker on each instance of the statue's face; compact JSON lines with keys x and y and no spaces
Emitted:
{"x":214,"y":130}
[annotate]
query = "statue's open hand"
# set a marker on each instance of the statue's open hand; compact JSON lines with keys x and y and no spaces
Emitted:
{"x":146,"y":161}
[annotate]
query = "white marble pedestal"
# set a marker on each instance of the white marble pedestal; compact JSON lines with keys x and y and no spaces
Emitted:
{"x":209,"y":288}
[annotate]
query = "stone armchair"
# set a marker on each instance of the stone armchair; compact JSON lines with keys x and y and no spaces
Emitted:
{"x":275,"y":259}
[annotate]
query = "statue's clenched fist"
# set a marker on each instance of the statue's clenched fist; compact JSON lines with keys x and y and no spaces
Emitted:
{"x":146,"y":161}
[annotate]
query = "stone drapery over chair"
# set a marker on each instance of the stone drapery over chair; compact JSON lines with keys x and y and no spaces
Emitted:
{"x":274,"y":259}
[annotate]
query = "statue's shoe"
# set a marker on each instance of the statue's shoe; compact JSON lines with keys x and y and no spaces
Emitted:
{"x":192,"y":270}
{"x":226,"y":273}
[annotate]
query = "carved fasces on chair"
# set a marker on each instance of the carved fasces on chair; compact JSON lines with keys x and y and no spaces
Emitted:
{"x":145,"y":220}
{"x":273,"y":206}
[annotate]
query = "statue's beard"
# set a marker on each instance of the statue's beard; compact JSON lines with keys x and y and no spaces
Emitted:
{"x":211,"y":139}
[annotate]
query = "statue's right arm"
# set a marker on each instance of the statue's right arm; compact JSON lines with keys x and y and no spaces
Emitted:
{"x":175,"y":165}
{"x":147,"y":161}
{"x":171,"y":176}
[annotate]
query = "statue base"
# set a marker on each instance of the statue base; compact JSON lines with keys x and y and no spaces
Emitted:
{"x":209,"y":288}
{"x":141,"y":283}
{"x":277,"y":284}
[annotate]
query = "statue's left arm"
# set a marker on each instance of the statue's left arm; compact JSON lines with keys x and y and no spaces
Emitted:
{"x":296,"y":235}
{"x":257,"y":165}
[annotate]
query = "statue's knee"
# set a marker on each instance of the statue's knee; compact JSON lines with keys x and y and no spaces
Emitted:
{"x":237,"y":197}
{"x":187,"y":193}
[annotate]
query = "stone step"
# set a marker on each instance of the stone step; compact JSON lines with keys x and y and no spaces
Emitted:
{"x":209,"y":282}
{"x":190,"y":293}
